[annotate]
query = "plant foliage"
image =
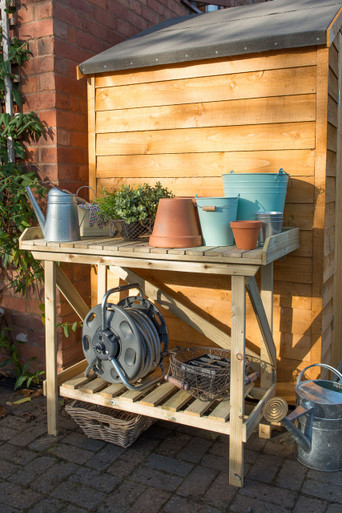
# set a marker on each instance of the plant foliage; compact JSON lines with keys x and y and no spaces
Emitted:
{"x":16,"y":130}
{"x":132,"y":203}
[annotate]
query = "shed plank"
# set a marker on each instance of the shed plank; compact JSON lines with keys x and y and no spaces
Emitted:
{"x":256,"y":137}
{"x":219,"y":113}
{"x":213,"y":164}
{"x":281,"y":82}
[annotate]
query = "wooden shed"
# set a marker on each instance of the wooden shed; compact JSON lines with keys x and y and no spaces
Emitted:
{"x":249,"y":89}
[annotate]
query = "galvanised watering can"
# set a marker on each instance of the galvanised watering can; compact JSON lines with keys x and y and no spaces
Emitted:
{"x":319,"y":417}
{"x":61,"y":223}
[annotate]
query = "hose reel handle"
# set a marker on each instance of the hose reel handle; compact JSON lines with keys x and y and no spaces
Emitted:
{"x":113,"y":291}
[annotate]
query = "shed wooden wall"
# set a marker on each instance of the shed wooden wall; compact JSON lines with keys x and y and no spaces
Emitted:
{"x":187,"y":124}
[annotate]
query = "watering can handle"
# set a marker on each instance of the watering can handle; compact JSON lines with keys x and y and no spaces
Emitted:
{"x":209,"y":208}
{"x":335,"y":371}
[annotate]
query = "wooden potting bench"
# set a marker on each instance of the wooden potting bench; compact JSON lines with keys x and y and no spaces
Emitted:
{"x":233,"y":416}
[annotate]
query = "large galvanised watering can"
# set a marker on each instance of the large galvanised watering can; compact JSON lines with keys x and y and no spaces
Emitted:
{"x":319,"y":417}
{"x":61,"y":223}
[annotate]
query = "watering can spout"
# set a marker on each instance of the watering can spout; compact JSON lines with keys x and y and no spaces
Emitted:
{"x":36,"y":208}
{"x":276,"y":410}
{"x":302,"y":440}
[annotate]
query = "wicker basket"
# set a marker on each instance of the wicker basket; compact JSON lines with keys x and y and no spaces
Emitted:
{"x":113,"y":426}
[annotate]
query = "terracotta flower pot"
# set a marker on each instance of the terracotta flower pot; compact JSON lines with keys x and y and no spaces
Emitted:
{"x":246,"y":233}
{"x":176,"y":224}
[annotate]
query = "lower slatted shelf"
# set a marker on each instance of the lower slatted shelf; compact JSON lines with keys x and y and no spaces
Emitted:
{"x":161,"y":401}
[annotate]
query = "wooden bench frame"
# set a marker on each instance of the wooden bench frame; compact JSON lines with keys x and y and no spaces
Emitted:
{"x":161,"y":401}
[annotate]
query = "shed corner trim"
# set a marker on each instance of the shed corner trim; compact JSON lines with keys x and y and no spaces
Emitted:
{"x":79,"y":74}
{"x":334,"y":28}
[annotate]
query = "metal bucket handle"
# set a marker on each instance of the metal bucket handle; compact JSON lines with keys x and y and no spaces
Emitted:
{"x":85,"y":187}
{"x":282,"y":172}
{"x":332,"y":369}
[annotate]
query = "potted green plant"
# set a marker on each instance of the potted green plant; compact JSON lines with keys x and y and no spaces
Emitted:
{"x":131,"y":210}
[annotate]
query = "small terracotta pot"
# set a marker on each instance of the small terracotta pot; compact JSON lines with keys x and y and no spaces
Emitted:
{"x":176,"y":224}
{"x":246,"y":233}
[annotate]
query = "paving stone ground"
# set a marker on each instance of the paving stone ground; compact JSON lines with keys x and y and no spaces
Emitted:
{"x":169,"y":469}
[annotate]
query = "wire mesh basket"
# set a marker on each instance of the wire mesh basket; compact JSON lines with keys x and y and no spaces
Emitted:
{"x":205,"y":371}
{"x":114,"y":426}
{"x":131,"y":231}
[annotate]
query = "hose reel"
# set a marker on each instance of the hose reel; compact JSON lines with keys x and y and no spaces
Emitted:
{"x":125,"y":342}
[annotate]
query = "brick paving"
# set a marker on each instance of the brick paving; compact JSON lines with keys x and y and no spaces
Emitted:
{"x":169,"y":469}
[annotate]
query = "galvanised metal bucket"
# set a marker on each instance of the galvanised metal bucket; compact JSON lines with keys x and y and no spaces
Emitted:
{"x":215,"y":215}
{"x":256,"y":191}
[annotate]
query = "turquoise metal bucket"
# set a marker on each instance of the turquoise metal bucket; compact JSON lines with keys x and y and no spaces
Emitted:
{"x":256,"y":191}
{"x":215,"y":215}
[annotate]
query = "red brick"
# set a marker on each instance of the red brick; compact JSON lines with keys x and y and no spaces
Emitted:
{"x":63,"y":137}
{"x":37,"y":29}
{"x":99,"y":3}
{"x":25,"y":13}
{"x":126,"y":29}
{"x":43,"y":101}
{"x":110,"y":20}
{"x":43,"y":10}
{"x":48,"y":117}
{"x":79,"y":139}
{"x":138,"y":21}
{"x":71,"y":155}
{"x":68,"y":172}
{"x":71,"y":34}
{"x":72,"y":120}
{"x":84,"y":173}
{"x":60,"y":29}
{"x":69,"y":85}
{"x":64,"y":49}
{"x":47,"y":82}
{"x":63,"y":13}
{"x":45,"y":46}
{"x":88,"y":41}
{"x":62,"y":65}
{"x":81,"y":6}
{"x":68,"y":103}
{"x":16,"y":303}
{"x":39,"y":65}
{"x":48,"y":155}
{"x":49,"y":171}
{"x":29,"y":85}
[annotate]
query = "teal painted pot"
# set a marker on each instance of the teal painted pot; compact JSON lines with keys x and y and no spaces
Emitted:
{"x":256,"y":191}
{"x":215,"y":215}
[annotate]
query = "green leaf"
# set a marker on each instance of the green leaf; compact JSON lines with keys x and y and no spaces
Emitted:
{"x":66,"y":330}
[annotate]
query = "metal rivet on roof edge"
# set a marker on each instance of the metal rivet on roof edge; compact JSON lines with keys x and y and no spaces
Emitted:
{"x":245,"y":48}
{"x":275,"y":44}
{"x":318,"y":38}
{"x":216,"y":52}
{"x":157,"y":59}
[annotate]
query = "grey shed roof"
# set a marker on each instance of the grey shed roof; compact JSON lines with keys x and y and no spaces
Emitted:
{"x":234,"y":31}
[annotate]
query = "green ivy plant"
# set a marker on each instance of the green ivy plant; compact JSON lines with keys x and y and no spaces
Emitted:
{"x":18,"y":268}
{"x":132,"y":203}
{"x":15,"y":212}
